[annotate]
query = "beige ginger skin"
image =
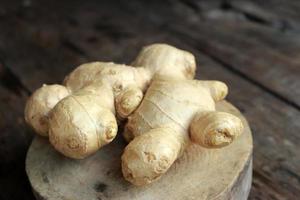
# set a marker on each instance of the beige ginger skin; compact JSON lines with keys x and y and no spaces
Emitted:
{"x":79,"y":117}
{"x":174,"y":112}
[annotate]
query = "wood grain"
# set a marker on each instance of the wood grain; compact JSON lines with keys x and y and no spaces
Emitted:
{"x":196,"y":175}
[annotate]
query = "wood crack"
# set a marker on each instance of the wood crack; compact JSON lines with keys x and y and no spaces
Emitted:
{"x":276,"y":23}
{"x":240,"y":7}
{"x":73,"y":47}
{"x":192,"y":5}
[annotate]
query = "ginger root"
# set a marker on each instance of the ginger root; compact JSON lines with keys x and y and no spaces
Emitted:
{"x":80,"y":116}
{"x":174,"y":112}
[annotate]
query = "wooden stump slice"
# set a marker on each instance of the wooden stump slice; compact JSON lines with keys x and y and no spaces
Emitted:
{"x":200,"y":174}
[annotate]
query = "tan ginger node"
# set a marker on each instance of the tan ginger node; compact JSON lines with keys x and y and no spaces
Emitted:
{"x":80,"y":117}
{"x":40,"y":104}
{"x":167,"y":61}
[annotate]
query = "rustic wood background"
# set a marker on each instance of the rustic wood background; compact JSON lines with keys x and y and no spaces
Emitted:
{"x":254,"y":46}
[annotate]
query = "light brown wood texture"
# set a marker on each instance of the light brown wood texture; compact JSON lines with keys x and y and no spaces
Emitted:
{"x":200,"y":173}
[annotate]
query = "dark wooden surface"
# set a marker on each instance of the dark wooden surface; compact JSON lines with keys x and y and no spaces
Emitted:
{"x":254,"y":46}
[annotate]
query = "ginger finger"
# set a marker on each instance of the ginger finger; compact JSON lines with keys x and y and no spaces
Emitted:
{"x":150,"y":155}
{"x":165,"y":61}
{"x":215,"y":129}
{"x":218,"y":89}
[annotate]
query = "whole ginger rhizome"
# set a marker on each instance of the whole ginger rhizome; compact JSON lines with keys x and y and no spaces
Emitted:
{"x":166,"y":110}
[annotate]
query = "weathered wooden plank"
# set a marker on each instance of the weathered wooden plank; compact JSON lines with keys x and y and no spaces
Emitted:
{"x":15,"y":138}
